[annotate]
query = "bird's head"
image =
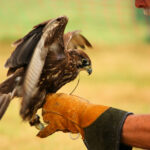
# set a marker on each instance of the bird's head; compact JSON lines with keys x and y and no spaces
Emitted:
{"x":83,"y":61}
{"x":55,"y":28}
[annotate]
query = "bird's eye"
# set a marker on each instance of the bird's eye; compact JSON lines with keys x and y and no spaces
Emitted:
{"x":85,"y":62}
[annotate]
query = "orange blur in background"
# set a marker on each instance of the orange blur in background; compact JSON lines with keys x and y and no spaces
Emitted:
{"x":142,"y":3}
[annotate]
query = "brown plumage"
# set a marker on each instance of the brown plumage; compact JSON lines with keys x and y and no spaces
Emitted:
{"x":42,"y":62}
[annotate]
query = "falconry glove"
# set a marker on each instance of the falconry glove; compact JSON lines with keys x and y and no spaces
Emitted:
{"x":100,"y":126}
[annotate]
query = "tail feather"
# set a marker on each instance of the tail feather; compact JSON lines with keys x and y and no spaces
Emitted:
{"x":8,"y":90}
{"x":4,"y":103}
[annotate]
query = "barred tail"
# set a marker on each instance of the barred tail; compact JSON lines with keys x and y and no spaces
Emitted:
{"x":4,"y":103}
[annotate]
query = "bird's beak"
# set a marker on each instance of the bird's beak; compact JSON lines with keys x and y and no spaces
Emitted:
{"x":89,"y":69}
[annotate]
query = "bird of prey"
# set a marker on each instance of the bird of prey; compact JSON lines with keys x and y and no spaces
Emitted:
{"x":43,"y":61}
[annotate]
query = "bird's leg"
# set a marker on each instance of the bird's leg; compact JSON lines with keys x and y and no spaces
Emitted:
{"x":35,"y":121}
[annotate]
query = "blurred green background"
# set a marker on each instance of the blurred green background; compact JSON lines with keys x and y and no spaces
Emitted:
{"x":120,"y":35}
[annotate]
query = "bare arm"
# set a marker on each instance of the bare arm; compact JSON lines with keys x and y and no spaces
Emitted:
{"x":136,"y":131}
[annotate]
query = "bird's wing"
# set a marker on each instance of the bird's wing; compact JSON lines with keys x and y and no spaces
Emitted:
{"x":25,"y":47}
{"x":34,"y":70}
{"x":73,"y":40}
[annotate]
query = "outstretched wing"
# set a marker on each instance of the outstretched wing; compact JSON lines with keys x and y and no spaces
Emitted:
{"x":73,"y":40}
{"x":25,"y":47}
{"x":50,"y":43}
{"x":35,"y":69}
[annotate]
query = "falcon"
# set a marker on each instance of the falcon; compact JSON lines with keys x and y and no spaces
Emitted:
{"x":43,"y":61}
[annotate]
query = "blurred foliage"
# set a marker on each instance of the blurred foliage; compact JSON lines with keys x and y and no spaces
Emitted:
{"x":104,"y":21}
{"x":139,"y":15}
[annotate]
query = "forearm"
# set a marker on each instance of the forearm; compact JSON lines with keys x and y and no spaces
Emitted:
{"x":136,"y":131}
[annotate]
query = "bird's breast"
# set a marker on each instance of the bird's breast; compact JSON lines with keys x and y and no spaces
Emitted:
{"x":57,"y":74}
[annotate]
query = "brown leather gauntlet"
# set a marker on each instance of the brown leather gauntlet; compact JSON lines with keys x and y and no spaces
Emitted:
{"x":68,"y":113}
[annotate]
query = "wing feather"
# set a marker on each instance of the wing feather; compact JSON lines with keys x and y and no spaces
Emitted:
{"x":34,"y":71}
{"x":74,"y":39}
{"x":35,"y":68}
{"x":25,"y":47}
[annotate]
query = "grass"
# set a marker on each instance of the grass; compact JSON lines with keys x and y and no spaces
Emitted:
{"x":121,"y":79}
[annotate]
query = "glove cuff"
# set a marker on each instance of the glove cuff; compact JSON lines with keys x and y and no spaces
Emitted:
{"x":105,"y":132}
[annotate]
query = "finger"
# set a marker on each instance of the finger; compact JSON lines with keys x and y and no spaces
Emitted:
{"x":48,"y":130}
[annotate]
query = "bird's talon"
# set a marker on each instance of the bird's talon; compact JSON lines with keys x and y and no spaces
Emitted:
{"x":39,"y":126}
